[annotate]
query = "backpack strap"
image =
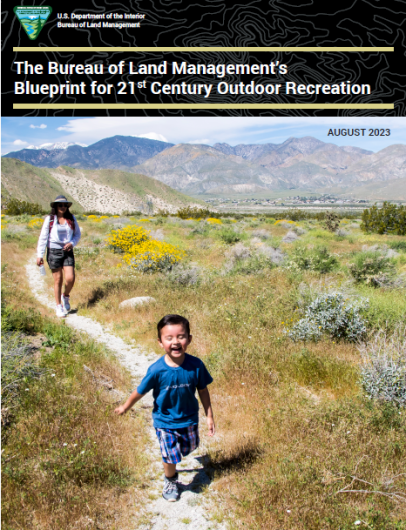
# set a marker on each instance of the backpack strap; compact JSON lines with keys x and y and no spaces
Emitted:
{"x":72,"y":224}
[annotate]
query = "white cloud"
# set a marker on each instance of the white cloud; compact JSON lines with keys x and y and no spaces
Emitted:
{"x":20,"y":142}
{"x":42,"y":126}
{"x":200,"y":141}
{"x":153,"y":136}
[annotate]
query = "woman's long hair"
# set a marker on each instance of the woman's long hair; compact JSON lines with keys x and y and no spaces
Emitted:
{"x":67,"y":215}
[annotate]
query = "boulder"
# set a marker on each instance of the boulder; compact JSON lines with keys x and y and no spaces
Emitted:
{"x":137,"y":301}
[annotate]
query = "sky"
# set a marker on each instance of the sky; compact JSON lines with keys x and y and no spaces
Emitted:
{"x":20,"y":132}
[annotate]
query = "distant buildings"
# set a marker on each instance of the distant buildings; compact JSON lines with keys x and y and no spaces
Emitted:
{"x":288,"y":201}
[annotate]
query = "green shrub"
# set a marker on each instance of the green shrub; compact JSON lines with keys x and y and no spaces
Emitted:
{"x":12,"y":319}
{"x":17,"y":207}
{"x":251,"y":265}
{"x":390,"y":219}
{"x":229,"y":236}
{"x":202,"y":229}
{"x":331,"y":221}
{"x":195,"y":213}
{"x":333,"y":314}
{"x":58,"y":336}
{"x":185,"y":275}
{"x":317,"y":259}
{"x":371,"y":267}
{"x":383,"y":375}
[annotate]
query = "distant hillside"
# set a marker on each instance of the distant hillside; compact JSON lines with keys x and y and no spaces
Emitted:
{"x":200,"y":169}
{"x":106,"y":191}
{"x":388,"y":190}
{"x":295,"y":150}
{"x":305,"y":163}
{"x":117,"y":152}
{"x":28,"y":183}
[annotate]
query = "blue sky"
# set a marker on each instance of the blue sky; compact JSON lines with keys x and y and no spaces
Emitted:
{"x":20,"y":132}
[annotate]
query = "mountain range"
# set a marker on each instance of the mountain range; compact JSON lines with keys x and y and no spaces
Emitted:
{"x":117,"y":152}
{"x":196,"y":169}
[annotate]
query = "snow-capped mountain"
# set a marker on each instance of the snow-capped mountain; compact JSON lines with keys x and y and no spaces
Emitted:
{"x":58,"y":145}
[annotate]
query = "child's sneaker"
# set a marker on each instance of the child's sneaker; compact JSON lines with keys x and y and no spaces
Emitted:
{"x":171,"y":492}
{"x":60,"y":312}
{"x":65,"y":303}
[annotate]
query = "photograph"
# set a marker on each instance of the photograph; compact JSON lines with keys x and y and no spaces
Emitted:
{"x":251,"y":273}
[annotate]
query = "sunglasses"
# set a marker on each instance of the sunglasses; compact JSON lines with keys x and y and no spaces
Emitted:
{"x":62,"y":204}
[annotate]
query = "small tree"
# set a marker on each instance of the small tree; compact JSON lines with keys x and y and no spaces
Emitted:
{"x":390,"y":219}
{"x":194,"y":213}
{"x":331,"y":221}
{"x":17,"y":207}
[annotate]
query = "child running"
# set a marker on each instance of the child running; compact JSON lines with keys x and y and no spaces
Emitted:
{"x":174,"y":379}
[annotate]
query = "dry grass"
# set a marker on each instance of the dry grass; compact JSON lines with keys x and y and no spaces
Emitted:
{"x":67,"y":462}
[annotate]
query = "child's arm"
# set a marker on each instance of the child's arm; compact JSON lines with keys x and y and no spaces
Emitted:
{"x":122,"y":409}
{"x":205,"y":399}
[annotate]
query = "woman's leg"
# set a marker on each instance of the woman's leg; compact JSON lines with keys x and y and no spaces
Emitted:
{"x":69,"y":279}
{"x":58,"y":280}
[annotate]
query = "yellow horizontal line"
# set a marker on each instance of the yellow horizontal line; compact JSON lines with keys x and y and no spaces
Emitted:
{"x":193,"y":106}
{"x":154,"y":49}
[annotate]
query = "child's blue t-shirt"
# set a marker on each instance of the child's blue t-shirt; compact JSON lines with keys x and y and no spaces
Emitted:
{"x":175,"y":403}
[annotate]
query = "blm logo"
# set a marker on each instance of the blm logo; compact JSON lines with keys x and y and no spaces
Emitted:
{"x":32,"y":19}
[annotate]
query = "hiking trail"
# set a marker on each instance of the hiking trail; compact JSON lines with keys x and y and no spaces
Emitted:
{"x":192,"y":511}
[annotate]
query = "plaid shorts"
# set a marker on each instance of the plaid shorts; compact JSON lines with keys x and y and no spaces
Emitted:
{"x":175,"y":443}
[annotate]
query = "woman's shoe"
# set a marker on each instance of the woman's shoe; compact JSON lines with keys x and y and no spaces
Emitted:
{"x":60,"y":311}
{"x":65,"y":303}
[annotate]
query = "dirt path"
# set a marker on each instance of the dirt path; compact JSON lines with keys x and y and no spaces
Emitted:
{"x":192,"y":511}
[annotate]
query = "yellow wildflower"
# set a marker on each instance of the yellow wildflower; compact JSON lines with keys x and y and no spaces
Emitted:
{"x":125,"y":238}
{"x":149,"y":256}
{"x":35,"y":223}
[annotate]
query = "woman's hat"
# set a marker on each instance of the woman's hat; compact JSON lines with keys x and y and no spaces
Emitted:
{"x":61,"y":199}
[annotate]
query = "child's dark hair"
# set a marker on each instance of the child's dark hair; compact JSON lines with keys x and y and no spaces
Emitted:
{"x":169,"y":320}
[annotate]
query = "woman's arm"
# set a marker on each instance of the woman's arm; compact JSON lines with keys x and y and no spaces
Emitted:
{"x":76,"y":236}
{"x":43,"y":240}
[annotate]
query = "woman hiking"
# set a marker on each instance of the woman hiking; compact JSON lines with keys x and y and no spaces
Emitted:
{"x":60,"y":233}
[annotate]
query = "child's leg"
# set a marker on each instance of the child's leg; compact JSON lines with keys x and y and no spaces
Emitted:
{"x":170,"y":470}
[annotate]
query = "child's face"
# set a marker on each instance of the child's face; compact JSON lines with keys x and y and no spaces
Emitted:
{"x":174,"y":340}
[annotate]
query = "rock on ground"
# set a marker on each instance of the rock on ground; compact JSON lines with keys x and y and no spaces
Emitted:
{"x":137,"y":301}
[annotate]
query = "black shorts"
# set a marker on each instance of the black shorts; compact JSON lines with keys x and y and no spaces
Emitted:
{"x":58,"y":258}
